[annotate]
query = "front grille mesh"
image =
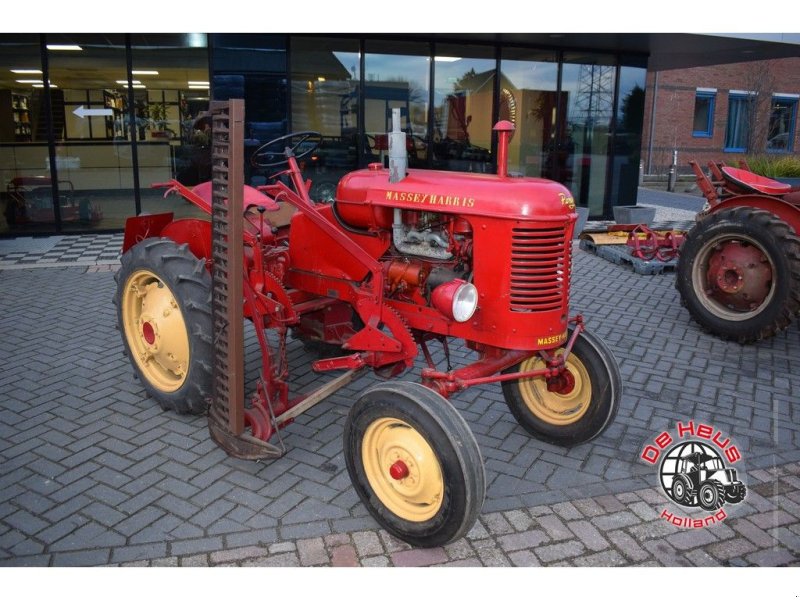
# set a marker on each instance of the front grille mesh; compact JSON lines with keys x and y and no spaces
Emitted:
{"x":539,"y":268}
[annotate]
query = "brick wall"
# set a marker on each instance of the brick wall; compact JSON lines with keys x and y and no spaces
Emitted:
{"x":674,"y":110}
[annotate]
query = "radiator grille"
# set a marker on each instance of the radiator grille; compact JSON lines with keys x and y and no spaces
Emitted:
{"x":539,"y":268}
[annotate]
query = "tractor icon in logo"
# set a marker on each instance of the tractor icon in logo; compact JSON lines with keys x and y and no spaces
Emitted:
{"x":693,"y":473}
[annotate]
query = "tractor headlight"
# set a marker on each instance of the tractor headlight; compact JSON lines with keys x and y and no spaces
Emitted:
{"x":456,"y":299}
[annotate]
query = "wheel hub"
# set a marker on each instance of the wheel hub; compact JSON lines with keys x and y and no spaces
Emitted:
{"x":738,"y":276}
{"x":399,"y":470}
{"x":563,"y":383}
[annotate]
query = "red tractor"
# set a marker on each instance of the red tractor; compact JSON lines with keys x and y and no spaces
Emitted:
{"x":739,"y":269}
{"x":397,"y":262}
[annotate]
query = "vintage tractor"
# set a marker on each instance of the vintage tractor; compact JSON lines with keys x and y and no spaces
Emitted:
{"x":739,"y":268}
{"x":398,"y":261}
{"x":702,"y":478}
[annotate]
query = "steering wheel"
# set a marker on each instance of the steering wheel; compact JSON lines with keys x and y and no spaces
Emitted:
{"x":288,"y":147}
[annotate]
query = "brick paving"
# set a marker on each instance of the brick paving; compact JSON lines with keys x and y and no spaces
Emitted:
{"x":94,"y":473}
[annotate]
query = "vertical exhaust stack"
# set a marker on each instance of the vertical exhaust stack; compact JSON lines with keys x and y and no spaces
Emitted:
{"x":398,"y":156}
{"x":504,"y":129}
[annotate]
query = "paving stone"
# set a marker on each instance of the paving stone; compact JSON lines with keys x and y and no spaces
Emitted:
{"x":566,"y":510}
{"x":85,"y":558}
{"x":518,"y":519}
{"x":198,"y":560}
{"x":616,"y":520}
{"x":666,"y":554}
{"x":418,"y":557}
{"x":773,"y":518}
{"x":524,"y":558}
{"x":731,"y":548}
{"x":367,"y":543}
{"x":336,"y":539}
{"x":236,"y":554}
{"x":628,"y":546}
{"x":559,"y":551}
{"x":132,"y":553}
{"x":752,"y":533}
{"x":771,"y":557}
{"x":312,"y":552}
{"x":520,"y":541}
{"x":497,"y":524}
{"x":344,"y":556}
{"x":197,"y":546}
{"x":281,"y":547}
{"x":588,"y":534}
{"x":694,"y":538}
{"x":375,"y":561}
{"x":609,"y":558}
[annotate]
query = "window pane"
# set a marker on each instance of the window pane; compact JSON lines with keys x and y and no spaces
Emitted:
{"x":253,"y":67}
{"x":89,"y":104}
{"x":782,"y":125}
{"x":738,"y":130}
{"x":528,"y":98}
{"x":463,"y":98}
{"x":324,"y":81}
{"x":588,"y":91}
{"x":27,"y":199}
{"x":397,"y":76}
{"x":703,"y":114}
{"x":171,"y":104}
{"x":626,"y":153}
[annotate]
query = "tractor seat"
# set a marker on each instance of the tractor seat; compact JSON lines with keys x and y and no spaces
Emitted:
{"x":755,"y":184}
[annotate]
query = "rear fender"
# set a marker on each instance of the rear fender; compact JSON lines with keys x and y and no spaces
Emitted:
{"x":194,"y":232}
{"x":789,"y":213}
{"x":143,"y":227}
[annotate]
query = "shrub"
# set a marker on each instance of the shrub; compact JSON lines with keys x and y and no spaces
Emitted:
{"x":772,"y":166}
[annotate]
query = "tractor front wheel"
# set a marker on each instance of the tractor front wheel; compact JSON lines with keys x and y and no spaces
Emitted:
{"x":164,"y":313}
{"x":739,"y":274}
{"x":414,"y":463}
{"x":711,"y":495}
{"x":573,"y":407}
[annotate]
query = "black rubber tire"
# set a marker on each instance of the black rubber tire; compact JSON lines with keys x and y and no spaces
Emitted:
{"x":455,"y":448}
{"x":711,"y":495}
{"x":606,"y":393}
{"x":681,"y":491}
{"x":736,"y":498}
{"x":190,"y":284}
{"x":782,"y":246}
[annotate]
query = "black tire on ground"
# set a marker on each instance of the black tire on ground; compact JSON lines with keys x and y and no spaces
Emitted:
{"x":722,"y":313}
{"x":174,"y":368}
{"x":711,"y":495}
{"x":414,"y":463}
{"x":680,"y":491}
{"x":736,"y":497}
{"x":581,"y":413}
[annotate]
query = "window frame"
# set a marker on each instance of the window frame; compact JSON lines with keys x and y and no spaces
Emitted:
{"x":710,"y":95}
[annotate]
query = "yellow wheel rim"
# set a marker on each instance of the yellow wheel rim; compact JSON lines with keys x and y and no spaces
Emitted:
{"x":552,"y":407}
{"x":155,"y":330}
{"x":402,"y":469}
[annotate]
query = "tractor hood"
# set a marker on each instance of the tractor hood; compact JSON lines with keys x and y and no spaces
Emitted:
{"x":524,"y":198}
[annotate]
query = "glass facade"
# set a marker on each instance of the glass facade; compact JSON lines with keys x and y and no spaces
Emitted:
{"x":88,"y":122}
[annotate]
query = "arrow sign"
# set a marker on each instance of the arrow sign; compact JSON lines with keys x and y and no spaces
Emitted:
{"x":92,"y":112}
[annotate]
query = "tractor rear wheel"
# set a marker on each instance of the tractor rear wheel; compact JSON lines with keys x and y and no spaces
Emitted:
{"x":163,"y":303}
{"x":573,"y":407}
{"x":736,"y":496}
{"x":711,"y":495}
{"x":414,"y":463}
{"x":739,"y":274}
